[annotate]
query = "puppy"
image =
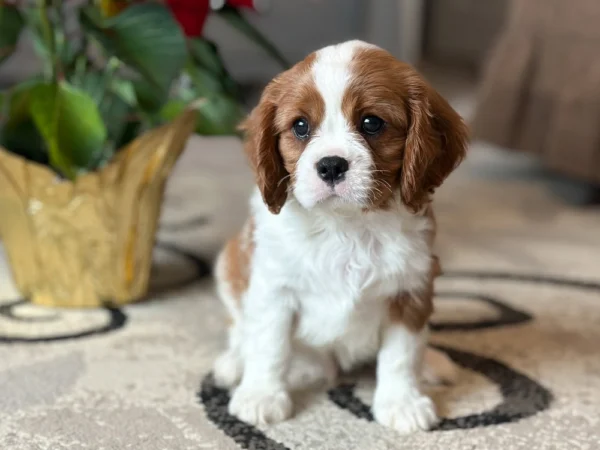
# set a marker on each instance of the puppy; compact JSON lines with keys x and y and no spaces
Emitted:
{"x":334,"y":266}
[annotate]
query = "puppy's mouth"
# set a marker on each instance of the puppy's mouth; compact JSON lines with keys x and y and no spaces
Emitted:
{"x":349,"y":187}
{"x":344,"y":193}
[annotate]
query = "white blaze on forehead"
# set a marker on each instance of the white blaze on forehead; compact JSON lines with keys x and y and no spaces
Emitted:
{"x":332,"y":74}
{"x":334,"y":136}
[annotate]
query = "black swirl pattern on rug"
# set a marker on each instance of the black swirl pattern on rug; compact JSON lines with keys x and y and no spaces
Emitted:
{"x":524,"y":278}
{"x":8,"y":310}
{"x":117,"y":318}
{"x":506,"y":315}
{"x":215,"y":401}
{"x":521,"y":396}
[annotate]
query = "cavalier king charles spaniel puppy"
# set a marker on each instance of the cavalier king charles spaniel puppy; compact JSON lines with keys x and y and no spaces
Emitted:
{"x":334,"y":267}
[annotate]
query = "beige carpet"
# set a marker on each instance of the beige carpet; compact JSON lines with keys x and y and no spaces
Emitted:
{"x":518,"y":310}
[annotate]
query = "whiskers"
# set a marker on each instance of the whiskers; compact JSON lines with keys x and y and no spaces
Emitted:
{"x":386,"y":185}
{"x":376,"y":185}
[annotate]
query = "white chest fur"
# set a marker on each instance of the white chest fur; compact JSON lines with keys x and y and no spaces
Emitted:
{"x":340,"y":269}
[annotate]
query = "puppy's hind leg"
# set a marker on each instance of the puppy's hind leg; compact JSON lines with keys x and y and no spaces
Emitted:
{"x":310,"y":368}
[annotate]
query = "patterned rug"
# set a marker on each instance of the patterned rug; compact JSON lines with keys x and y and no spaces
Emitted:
{"x":518,"y":311}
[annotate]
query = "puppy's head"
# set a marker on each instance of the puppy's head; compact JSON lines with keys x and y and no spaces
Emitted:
{"x":353,"y":127}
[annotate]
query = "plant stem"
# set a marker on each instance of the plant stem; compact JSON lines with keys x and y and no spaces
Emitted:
{"x":60,"y":36}
{"x":79,"y":70}
{"x":48,"y":34}
{"x":112,"y":65}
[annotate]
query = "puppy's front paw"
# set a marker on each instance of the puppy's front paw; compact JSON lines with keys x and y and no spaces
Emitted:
{"x":258,"y":406}
{"x":227,"y":370}
{"x":406,"y":415}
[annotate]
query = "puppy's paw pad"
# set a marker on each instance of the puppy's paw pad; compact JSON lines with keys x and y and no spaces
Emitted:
{"x":227,"y":370}
{"x":407,"y":415}
{"x":259,"y":407}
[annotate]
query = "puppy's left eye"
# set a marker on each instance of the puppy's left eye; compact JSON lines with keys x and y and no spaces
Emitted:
{"x":371,"y":125}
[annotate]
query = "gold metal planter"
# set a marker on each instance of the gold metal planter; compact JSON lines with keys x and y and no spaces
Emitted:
{"x":84,"y":243}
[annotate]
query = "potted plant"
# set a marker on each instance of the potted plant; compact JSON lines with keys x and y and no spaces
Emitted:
{"x":87,"y":144}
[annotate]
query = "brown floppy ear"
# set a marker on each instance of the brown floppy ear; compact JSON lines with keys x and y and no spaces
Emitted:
{"x":262,"y":149}
{"x":435,"y":145}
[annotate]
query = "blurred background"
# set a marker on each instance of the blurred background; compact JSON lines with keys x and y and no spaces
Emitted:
{"x":457,"y":33}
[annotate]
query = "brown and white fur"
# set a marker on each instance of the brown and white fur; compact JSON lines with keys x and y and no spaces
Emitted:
{"x":329,"y":274}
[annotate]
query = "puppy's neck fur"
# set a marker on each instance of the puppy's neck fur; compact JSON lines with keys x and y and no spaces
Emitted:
{"x":347,"y":218}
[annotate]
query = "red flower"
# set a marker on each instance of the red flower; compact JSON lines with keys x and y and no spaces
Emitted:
{"x":191,"y":15}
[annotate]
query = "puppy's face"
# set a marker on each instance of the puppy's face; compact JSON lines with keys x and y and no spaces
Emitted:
{"x":352,"y":127}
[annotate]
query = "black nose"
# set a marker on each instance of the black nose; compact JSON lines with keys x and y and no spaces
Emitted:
{"x":332,"y":169}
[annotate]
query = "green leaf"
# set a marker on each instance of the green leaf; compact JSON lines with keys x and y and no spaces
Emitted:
{"x":24,"y":139}
{"x":217,"y":116}
{"x":204,"y":82}
{"x":11,"y":24}
{"x":71,"y":125}
{"x":125,"y":90}
{"x":205,"y":58}
{"x":145,"y":36}
{"x":113,"y":109}
{"x":93,"y":23}
{"x":206,"y":54}
{"x":92,"y":82}
{"x":131,"y":130}
{"x":18,"y":133}
{"x":235,"y":19}
{"x":149,"y":98}
{"x":172,"y":109}
{"x":20,"y":101}
{"x":116,"y":114}
{"x":68,"y":52}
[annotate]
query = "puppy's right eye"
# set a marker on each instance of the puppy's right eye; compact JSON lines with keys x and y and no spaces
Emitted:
{"x":301,"y":128}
